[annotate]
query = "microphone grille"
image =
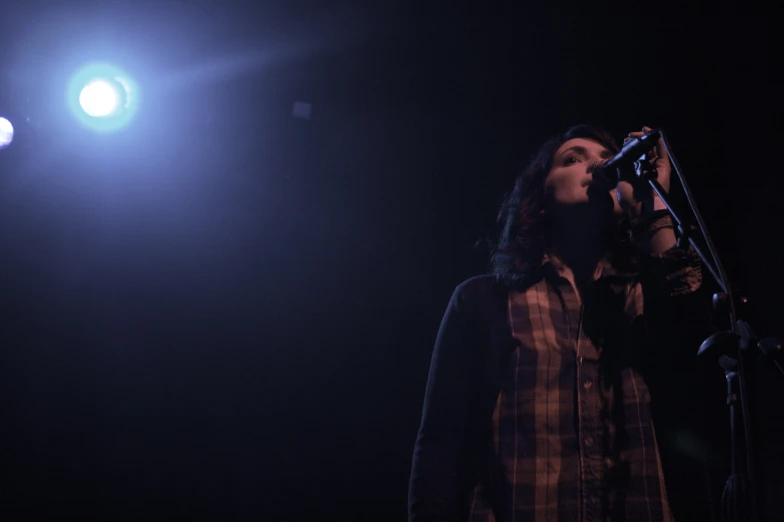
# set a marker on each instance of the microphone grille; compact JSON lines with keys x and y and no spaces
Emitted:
{"x":596,"y":165}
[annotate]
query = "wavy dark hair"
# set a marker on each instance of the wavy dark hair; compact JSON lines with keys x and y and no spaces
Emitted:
{"x":521,"y":243}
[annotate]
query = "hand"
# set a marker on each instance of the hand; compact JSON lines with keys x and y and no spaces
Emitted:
{"x":638,"y":199}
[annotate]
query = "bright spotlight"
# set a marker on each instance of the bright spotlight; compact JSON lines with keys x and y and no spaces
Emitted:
{"x":6,"y":133}
{"x":99,"y":99}
{"x":102,"y":97}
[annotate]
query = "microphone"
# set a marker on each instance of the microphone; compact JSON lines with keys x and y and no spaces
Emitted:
{"x":616,"y":168}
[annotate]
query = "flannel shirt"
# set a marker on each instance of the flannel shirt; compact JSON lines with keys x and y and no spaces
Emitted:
{"x":537,"y":407}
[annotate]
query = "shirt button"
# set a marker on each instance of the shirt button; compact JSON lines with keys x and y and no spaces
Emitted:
{"x":587,"y":384}
{"x":588,"y":441}
{"x":610,"y":463}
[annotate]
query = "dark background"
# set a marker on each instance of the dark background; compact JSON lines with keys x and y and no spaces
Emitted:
{"x":226,"y":312}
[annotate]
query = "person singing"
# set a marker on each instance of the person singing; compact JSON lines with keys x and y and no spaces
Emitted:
{"x":538,"y":405}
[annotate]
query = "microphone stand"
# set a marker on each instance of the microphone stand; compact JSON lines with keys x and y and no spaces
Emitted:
{"x":728,"y":347}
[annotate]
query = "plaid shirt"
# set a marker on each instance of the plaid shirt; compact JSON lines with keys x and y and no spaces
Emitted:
{"x":537,"y":407}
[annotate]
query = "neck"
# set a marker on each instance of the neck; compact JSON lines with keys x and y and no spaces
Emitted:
{"x":580,"y":247}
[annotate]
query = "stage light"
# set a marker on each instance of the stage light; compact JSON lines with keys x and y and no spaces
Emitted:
{"x":99,"y":99}
{"x":6,"y":133}
{"x":102,"y":97}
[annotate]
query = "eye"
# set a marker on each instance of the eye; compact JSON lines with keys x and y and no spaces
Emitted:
{"x":570,"y":160}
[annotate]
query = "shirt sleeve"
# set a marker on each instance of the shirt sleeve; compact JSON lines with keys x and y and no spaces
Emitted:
{"x":675,"y":272}
{"x":437,"y":467}
{"x":677,"y":307}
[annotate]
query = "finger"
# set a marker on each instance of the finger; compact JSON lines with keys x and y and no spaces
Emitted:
{"x":645,"y":130}
{"x":651,"y":155}
{"x":637,"y":134}
{"x":632,"y":135}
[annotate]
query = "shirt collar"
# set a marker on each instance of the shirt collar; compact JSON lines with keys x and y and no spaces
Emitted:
{"x":606,"y":270}
{"x":551,"y":269}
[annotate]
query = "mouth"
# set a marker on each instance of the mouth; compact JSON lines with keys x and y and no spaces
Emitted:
{"x":588,"y":182}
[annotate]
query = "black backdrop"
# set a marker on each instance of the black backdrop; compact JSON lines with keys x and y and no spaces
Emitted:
{"x":227,"y":312}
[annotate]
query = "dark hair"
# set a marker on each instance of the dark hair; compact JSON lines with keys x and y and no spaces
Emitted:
{"x":521,"y":242}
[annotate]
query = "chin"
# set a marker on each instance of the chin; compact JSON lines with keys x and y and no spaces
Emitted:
{"x":602,"y":200}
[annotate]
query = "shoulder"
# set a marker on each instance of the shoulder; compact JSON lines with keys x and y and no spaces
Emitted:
{"x":481,"y":304}
{"x":480,"y":291}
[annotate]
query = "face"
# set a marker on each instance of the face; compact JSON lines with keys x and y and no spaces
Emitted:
{"x":568,"y":184}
